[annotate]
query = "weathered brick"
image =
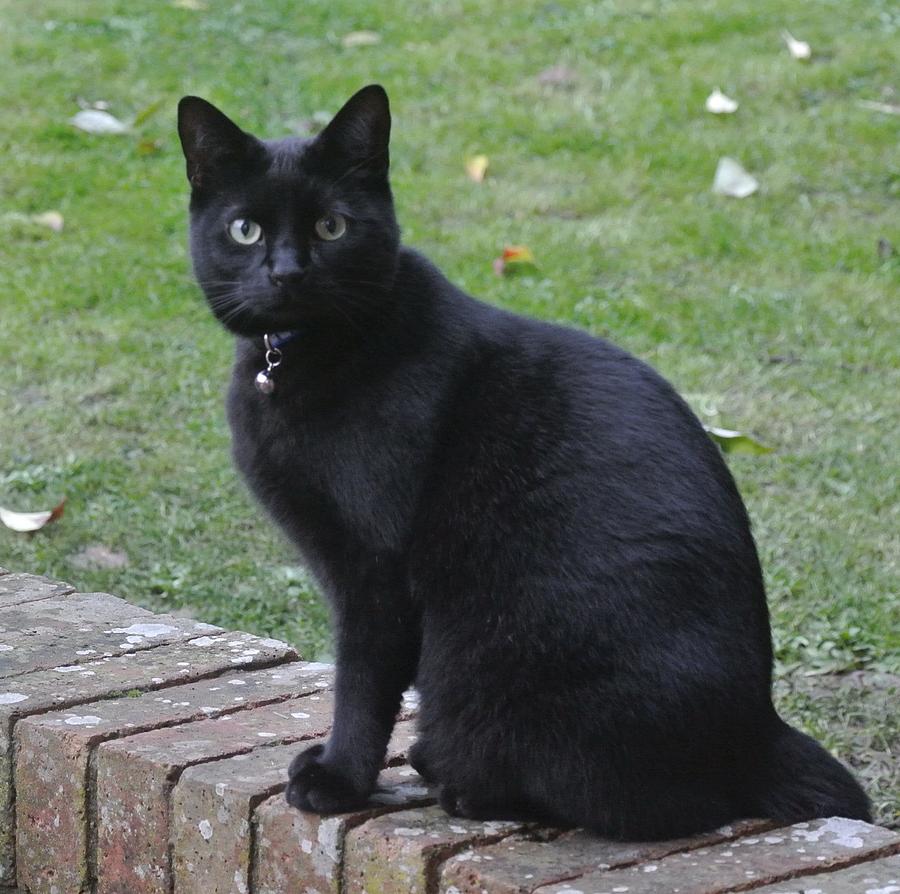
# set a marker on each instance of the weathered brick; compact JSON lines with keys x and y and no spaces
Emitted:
{"x":398,"y":853}
{"x":69,"y":684}
{"x":745,"y":862}
{"x":303,"y":851}
{"x":521,"y":863}
{"x":212,"y":810}
{"x":52,"y":774}
{"x":875,"y":877}
{"x":298,"y":851}
{"x":67,"y":631}
{"x":135,"y":777}
{"x":17,"y":589}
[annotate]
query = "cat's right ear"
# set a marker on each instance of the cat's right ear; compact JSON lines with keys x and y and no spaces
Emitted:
{"x":211,"y":141}
{"x":356,"y":139}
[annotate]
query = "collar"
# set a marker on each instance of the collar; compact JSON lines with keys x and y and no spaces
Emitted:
{"x":273,"y":342}
{"x":280,"y":339}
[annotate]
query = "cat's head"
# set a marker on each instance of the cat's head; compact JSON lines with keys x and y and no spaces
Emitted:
{"x":292,"y":232}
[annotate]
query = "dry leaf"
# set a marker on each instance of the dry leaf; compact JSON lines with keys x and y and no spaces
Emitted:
{"x":98,"y":121}
{"x":360,"y":39}
{"x":51,"y":219}
{"x":735,"y":441}
{"x":26,"y":522}
{"x":515,"y":259}
{"x":884,"y":107}
{"x":799,"y":49}
{"x":476,"y":167}
{"x":720,"y":104}
{"x":732,"y":180}
{"x":149,"y":147}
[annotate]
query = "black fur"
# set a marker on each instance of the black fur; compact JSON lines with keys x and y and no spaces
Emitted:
{"x":525,"y":521}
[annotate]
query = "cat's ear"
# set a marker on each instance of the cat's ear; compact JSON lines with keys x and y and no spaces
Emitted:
{"x":211,"y":141}
{"x":357,"y":137}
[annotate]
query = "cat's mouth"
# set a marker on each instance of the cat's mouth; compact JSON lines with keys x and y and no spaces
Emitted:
{"x":251,"y":318}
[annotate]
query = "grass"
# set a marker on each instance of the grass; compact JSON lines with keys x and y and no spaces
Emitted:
{"x":775,"y":315}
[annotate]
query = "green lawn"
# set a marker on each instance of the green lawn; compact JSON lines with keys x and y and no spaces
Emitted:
{"x":775,"y":314}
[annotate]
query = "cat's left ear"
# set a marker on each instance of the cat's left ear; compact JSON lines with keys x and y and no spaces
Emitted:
{"x":213,"y":144}
{"x":357,"y":137}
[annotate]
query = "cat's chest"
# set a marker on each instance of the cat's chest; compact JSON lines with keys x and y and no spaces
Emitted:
{"x":343,"y":466}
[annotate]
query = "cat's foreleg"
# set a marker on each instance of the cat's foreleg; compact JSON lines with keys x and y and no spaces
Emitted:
{"x":377,"y":657}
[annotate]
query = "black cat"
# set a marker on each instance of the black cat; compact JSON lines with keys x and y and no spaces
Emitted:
{"x":525,"y":521}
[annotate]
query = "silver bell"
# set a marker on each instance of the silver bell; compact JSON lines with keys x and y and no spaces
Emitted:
{"x":265,"y":384}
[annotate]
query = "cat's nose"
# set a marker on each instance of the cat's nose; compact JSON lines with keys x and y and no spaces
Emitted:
{"x":286,"y":276}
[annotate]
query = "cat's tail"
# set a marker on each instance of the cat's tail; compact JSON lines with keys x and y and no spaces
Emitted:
{"x":797,"y":779}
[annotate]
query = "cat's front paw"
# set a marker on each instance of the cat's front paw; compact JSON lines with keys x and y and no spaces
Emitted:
{"x":317,"y":786}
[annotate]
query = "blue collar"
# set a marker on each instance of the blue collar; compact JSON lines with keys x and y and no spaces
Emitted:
{"x":280,"y":339}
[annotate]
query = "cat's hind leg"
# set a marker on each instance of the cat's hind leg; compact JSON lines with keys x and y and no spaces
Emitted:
{"x":484,"y":803}
{"x":419,"y":761}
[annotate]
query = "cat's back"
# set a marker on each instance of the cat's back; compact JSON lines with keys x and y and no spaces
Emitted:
{"x":553,"y":398}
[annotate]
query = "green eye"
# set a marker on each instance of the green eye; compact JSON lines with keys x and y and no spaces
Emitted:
{"x":245,"y":232}
{"x":331,"y":227}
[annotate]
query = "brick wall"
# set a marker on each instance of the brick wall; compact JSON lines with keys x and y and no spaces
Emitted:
{"x":146,"y":753}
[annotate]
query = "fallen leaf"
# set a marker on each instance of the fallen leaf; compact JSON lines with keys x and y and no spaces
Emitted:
{"x":99,"y":556}
{"x":885,"y":108}
{"x":799,"y":49}
{"x":98,"y":121}
{"x":515,"y":259}
{"x":732,"y":180}
{"x":29,"y":226}
{"x":476,"y":167}
{"x":149,"y":147}
{"x":26,"y":522}
{"x":52,"y":219}
{"x":360,"y":39}
{"x":558,"y":76}
{"x":720,"y":104}
{"x":736,"y":442}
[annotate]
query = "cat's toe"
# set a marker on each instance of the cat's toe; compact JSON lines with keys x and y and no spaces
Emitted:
{"x":458,"y":803}
{"x":317,"y":787}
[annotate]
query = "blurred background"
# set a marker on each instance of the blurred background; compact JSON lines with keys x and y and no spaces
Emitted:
{"x":583,"y":132}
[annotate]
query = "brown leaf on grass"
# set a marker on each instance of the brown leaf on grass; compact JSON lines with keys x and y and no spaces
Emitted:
{"x":149,"y":147}
{"x":476,"y":167}
{"x":515,"y":259}
{"x":27,"y":522}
